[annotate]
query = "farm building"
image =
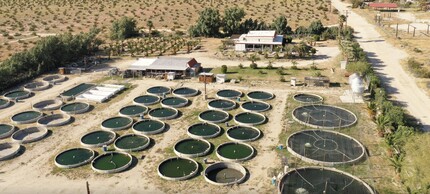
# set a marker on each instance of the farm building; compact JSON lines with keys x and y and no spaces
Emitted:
{"x":161,"y":66}
{"x":383,"y":6}
{"x":258,"y":40}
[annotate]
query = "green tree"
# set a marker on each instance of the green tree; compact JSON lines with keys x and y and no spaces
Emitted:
{"x":232,"y":20}
{"x":208,"y":24}
{"x":123,"y":28}
{"x":150,"y":25}
{"x":316,"y":27}
{"x":359,"y":67}
{"x":280,"y":24}
{"x":253,"y":58}
{"x":224,"y":69}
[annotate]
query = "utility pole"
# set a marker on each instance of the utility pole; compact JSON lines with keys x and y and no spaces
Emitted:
{"x":346,"y":16}
{"x":88,"y":188}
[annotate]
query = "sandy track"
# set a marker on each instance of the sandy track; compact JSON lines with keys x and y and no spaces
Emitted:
{"x":386,"y":60}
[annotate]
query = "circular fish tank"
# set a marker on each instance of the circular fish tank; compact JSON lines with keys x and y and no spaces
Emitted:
{"x":203,"y":130}
{"x":234,"y":151}
{"x":163,"y":113}
{"x":324,"y":116}
{"x":36,"y":86}
{"x":214,"y":116}
{"x":260,"y":95}
{"x":159,"y":90}
{"x":177,"y":169}
{"x":323,"y":147}
{"x":148,"y":127}
{"x":249,"y":118}
{"x":243,"y":133}
{"x":185,"y":92}
{"x":75,"y":108}
{"x":54,"y":78}
{"x":98,"y":138}
{"x":191,"y":148}
{"x":54,"y":120}
{"x":26,"y":117}
{"x":6,"y":130}
{"x":48,"y":105}
{"x":74,"y":157}
{"x":131,"y":143}
{"x":117,"y":123}
{"x":321,"y":180}
{"x":229,"y":94}
{"x":111,"y":162}
{"x":225,"y":173}
{"x":133,"y":111}
{"x":255,"y":106}
{"x":146,"y":100}
{"x":29,"y":135}
{"x":4,"y":103}
{"x":8,"y":150}
{"x":17,"y":95}
{"x":174,"y":102}
{"x":308,"y":98}
{"x":222,"y":104}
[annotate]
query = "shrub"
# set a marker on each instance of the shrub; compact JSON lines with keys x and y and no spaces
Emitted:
{"x":240,"y":66}
{"x":253,"y":66}
{"x":317,"y":74}
{"x":280,"y":72}
{"x":224,"y":69}
{"x":270,"y":66}
{"x":282,"y":79}
{"x":294,"y":67}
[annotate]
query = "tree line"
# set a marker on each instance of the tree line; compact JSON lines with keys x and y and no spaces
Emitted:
{"x":48,"y":54}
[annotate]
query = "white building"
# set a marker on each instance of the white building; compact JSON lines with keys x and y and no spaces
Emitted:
{"x":258,"y":40}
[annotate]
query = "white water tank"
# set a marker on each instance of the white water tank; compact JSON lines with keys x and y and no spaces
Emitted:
{"x":356,"y":83}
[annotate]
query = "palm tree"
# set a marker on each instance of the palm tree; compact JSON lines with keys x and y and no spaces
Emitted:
{"x":382,"y":123}
{"x":150,"y":25}
{"x":253,"y":58}
{"x":342,"y":19}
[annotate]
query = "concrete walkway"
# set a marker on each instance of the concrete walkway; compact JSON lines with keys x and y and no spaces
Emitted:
{"x":386,"y":61}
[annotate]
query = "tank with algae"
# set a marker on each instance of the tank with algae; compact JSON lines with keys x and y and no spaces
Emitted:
{"x":4,"y":103}
{"x":192,"y":148}
{"x":74,"y":157}
{"x":54,"y":78}
{"x":229,"y":94}
{"x":214,"y":116}
{"x":185,"y":92}
{"x":221,"y":104}
{"x":225,"y":173}
{"x":260,"y":95}
{"x":133,"y":110}
{"x":249,"y":118}
{"x":111,"y":162}
{"x":98,"y":138}
{"x":6,"y":130}
{"x":146,"y":100}
{"x":75,"y":108}
{"x":203,"y":130}
{"x":174,"y":102}
{"x":234,"y":151}
{"x":54,"y":120}
{"x":37,"y":86}
{"x":255,"y":106}
{"x":243,"y":133}
{"x":17,"y":95}
{"x":163,"y":113}
{"x":117,"y":123}
{"x":308,"y":98}
{"x":159,"y":90}
{"x":177,"y":168}
{"x":29,"y":135}
{"x":148,"y":127}
{"x":8,"y":150}
{"x":132,"y":142}
{"x":26,"y":117}
{"x":75,"y":91}
{"x":47,"y":105}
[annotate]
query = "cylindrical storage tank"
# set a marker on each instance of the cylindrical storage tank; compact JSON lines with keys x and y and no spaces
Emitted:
{"x":216,"y":173}
{"x":192,"y":148}
{"x":17,"y":95}
{"x":117,"y":123}
{"x":174,"y":102}
{"x":132,"y":143}
{"x":29,"y":135}
{"x":203,"y":131}
{"x":177,"y":169}
{"x":4,"y":103}
{"x":53,"y":79}
{"x":163,"y":113}
{"x":37,"y":86}
{"x":74,"y":157}
{"x":148,"y":127}
{"x":234,"y":152}
{"x":146,"y":100}
{"x":185,"y":92}
{"x":8,"y":150}
{"x":243,"y":133}
{"x":222,"y":104}
{"x":54,"y":120}
{"x":133,"y":111}
{"x":356,"y":83}
{"x":260,"y":96}
{"x":159,"y":90}
{"x":47,"y":105}
{"x":6,"y":130}
{"x":229,"y":94}
{"x":111,"y":162}
{"x":249,"y":118}
{"x":98,"y":138}
{"x":26,"y":117}
{"x":214,"y":116}
{"x":75,"y":108}
{"x":255,"y":106}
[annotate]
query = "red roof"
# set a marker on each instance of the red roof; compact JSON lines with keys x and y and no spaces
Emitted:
{"x":383,"y":5}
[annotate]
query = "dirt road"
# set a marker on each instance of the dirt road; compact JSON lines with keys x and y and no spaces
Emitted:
{"x":386,"y":61}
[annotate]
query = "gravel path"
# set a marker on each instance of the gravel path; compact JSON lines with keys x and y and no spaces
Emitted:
{"x":386,"y":61}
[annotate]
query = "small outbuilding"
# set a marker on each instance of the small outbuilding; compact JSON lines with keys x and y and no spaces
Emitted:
{"x":161,"y":66}
{"x":206,"y":77}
